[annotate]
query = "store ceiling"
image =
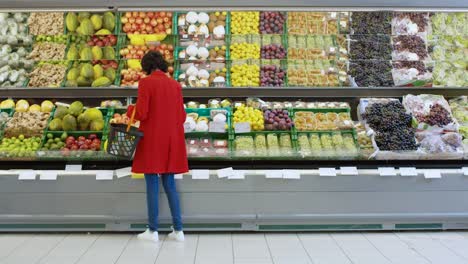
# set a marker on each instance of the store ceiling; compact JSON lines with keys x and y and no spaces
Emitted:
{"x":44,"y":4}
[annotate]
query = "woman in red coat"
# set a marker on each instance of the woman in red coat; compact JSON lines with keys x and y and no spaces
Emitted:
{"x":161,"y":152}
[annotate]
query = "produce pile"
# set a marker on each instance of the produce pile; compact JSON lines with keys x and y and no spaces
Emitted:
{"x":391,"y":125}
{"x":71,"y":145}
{"x":76,"y":118}
{"x":27,"y":121}
{"x":240,"y":49}
{"x":322,"y":121}
{"x":46,"y":23}
{"x":327,"y":145}
{"x":263,"y":145}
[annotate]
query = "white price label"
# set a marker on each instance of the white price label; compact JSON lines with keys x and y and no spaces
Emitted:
{"x":432,"y":174}
{"x":179,"y":176}
{"x":48,"y":175}
{"x":104,"y":175}
{"x":237,"y":175}
{"x":274,"y":174}
{"x":73,"y":167}
{"x":225,"y":173}
{"x":328,"y":172}
{"x":408,"y":171}
{"x":291,"y":174}
{"x":243,"y":127}
{"x":465,"y":171}
{"x":26,"y":175}
{"x":217,"y":127}
{"x":200,"y":174}
{"x":387,"y":171}
{"x":348,"y":171}
{"x":124,"y":172}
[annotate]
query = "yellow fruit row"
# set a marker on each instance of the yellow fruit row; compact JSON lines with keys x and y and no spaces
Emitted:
{"x":250,"y":115}
{"x":245,"y":75}
{"x":245,"y":22}
{"x":245,"y":51}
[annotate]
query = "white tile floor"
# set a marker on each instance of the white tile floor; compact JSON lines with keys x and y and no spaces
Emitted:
{"x":238,"y":248}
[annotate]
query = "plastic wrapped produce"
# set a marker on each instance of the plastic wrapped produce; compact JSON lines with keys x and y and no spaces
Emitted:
{"x":315,"y":144}
{"x":273,"y":145}
{"x":450,"y":23}
{"x":432,"y":112}
{"x":286,"y":144}
{"x":409,"y":48}
{"x":244,"y":146}
{"x":410,"y":23}
{"x":303,"y":144}
{"x":260,"y":145}
{"x":440,"y":146}
{"x":411,"y":73}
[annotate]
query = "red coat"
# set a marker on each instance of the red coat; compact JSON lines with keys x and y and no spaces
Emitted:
{"x":160,"y":110}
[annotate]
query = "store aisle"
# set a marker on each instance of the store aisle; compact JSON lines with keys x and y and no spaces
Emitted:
{"x":238,"y":248}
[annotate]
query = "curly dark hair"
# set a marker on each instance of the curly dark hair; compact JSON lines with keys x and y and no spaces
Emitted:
{"x":153,"y":61}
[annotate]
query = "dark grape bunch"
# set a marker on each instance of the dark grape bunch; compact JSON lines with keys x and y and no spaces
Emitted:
{"x":392,"y":126}
{"x":387,"y":116}
{"x":402,"y":139}
{"x":372,"y":22}
{"x":438,"y":116}
{"x":370,"y":73}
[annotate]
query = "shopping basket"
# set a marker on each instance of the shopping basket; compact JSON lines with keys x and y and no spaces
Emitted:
{"x":123,"y":139}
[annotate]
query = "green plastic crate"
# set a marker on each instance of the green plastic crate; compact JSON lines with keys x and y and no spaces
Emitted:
{"x":106,"y":113}
{"x":281,"y":154}
{"x":186,"y":36}
{"x":79,"y":155}
{"x":333,"y":154}
{"x":206,"y":112}
{"x":70,"y":66}
{"x":121,"y":13}
{"x":212,"y":155}
{"x":114,"y":32}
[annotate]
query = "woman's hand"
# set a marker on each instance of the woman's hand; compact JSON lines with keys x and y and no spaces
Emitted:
{"x":130,"y":110}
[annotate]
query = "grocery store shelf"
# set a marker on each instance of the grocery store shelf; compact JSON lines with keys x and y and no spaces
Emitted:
{"x":297,"y":92}
{"x":55,"y":4}
{"x":244,"y":164}
{"x":293,"y":4}
{"x":301,"y":5}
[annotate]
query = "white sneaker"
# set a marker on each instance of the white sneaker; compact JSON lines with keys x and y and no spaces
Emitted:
{"x":149,"y":235}
{"x":177,"y":236}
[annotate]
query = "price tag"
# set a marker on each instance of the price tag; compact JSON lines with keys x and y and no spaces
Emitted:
{"x":432,"y":174}
{"x":124,"y":172}
{"x":104,"y":175}
{"x":328,"y":172}
{"x":48,"y":175}
{"x":179,"y":176}
{"x":465,"y":171}
{"x":217,"y":127}
{"x":274,"y":174}
{"x":408,"y":172}
{"x":26,"y":175}
{"x":291,"y":174}
{"x":333,"y":14}
{"x":225,"y":173}
{"x":243,"y":127}
{"x":73,"y":167}
{"x":387,"y":171}
{"x":237,"y":175}
{"x":200,"y":174}
{"x":349,"y":171}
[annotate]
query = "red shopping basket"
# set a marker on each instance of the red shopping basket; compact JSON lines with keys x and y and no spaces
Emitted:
{"x":123,"y":139}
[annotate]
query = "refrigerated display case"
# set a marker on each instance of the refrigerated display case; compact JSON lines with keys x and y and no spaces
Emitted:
{"x":319,"y":116}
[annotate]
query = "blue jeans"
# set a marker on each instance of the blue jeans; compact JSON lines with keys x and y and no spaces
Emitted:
{"x":152,"y":193}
